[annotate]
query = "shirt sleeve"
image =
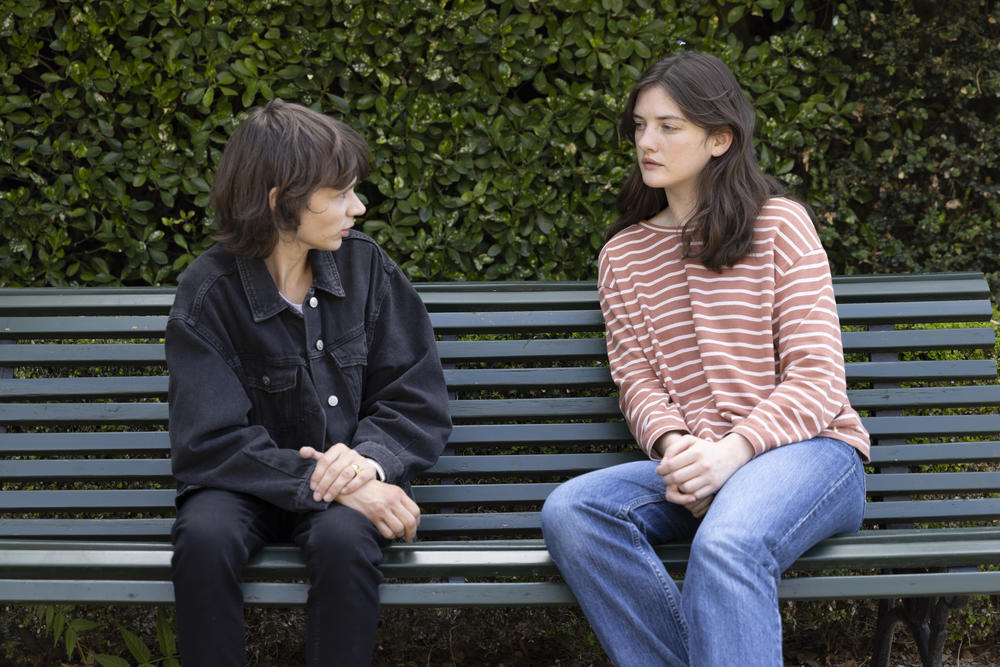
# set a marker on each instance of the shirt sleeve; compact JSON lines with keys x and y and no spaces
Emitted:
{"x":644,"y":401}
{"x":211,"y":440}
{"x":811,"y":387}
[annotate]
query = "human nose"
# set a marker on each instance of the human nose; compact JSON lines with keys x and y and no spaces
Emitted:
{"x":643,"y":140}
{"x":357,"y":206}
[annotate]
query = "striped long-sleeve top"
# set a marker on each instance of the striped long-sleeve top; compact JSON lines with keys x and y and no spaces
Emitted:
{"x":754,"y":350}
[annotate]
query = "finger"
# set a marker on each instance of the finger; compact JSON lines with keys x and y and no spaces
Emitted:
{"x":394,"y":523}
{"x":409,"y":522}
{"x":411,"y":506}
{"x":674,"y":463}
{"x":330,"y":457}
{"x":309,"y":453}
{"x":697,"y":487}
{"x":673,"y":495}
{"x":365,"y":474}
{"x":700,"y":507}
{"x":335,"y":480}
{"x":679,"y":446}
{"x":384,"y":530}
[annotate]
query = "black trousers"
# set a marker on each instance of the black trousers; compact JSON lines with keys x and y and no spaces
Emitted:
{"x":217,"y":532}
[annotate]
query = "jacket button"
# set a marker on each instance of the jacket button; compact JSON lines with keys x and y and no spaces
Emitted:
{"x":319,"y":344}
{"x":313,"y":302}
{"x":266,"y":380}
{"x":333,"y":400}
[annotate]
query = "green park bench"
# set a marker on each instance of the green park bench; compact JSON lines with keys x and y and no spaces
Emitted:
{"x":87,"y":495}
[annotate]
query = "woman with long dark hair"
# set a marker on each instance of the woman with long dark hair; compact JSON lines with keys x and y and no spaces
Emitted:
{"x":724,"y":342}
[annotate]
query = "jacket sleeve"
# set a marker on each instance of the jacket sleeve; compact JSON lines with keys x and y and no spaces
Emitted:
{"x":811,"y":386}
{"x":644,"y":401}
{"x":404,"y":420}
{"x":212,"y":442}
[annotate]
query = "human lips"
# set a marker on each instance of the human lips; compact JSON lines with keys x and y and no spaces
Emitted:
{"x":648,"y":163}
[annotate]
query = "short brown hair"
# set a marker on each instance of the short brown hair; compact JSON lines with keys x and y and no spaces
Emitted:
{"x":285,"y":146}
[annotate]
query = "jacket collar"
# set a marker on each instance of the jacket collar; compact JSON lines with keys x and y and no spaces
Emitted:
{"x":262,"y":294}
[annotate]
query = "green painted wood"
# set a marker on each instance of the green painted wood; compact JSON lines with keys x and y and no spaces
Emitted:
{"x":492,"y":558}
{"x":986,"y":451}
{"x":512,"y":351}
{"x":86,"y":529}
{"x":483,"y":495}
{"x":132,"y":326}
{"x":157,"y":443}
{"x":119,"y":388}
{"x":158,"y":471}
{"x":157,"y":300}
{"x":494,"y":594}
{"x":494,"y":322}
{"x":104,"y":442}
{"x":933,"y":482}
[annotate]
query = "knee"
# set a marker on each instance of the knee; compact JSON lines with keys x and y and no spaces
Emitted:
{"x":342,"y":535}
{"x":208,"y":546}
{"x":732,"y":547}
{"x":563,"y":517}
{"x":558,"y":507}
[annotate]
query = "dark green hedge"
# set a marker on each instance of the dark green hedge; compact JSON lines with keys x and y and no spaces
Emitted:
{"x":492,"y":123}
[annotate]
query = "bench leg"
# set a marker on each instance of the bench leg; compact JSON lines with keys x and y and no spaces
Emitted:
{"x":927,"y":620}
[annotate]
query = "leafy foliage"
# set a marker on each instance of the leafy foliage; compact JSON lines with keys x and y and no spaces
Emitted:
{"x":493,"y":124}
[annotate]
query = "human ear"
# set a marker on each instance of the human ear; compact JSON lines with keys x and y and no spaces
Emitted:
{"x":721,"y":141}
{"x":272,"y":198}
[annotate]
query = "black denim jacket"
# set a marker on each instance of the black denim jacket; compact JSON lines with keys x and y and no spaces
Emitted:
{"x":251,"y":380}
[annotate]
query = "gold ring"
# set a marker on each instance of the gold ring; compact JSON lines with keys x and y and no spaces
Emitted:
{"x":357,"y":469}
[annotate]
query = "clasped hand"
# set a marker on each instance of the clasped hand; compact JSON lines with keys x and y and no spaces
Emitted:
{"x":694,"y":469}
{"x":385,"y":505}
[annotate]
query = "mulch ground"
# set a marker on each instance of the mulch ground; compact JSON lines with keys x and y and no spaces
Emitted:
{"x":446,"y":637}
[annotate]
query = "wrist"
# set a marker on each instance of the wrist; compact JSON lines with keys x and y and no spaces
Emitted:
{"x":664,"y":441}
{"x":741,"y":448}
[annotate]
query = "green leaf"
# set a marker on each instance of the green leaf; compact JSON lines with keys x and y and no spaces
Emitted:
{"x":135,"y":646}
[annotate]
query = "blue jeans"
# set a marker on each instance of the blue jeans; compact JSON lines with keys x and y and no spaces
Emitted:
{"x":601,"y":527}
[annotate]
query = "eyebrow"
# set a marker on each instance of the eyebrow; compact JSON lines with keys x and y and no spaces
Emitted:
{"x":667,"y":117}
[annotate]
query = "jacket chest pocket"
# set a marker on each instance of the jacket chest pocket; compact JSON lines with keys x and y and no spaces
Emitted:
{"x":347,"y":363}
{"x":277,"y":397}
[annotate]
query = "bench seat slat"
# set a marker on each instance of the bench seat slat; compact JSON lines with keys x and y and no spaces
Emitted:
{"x":495,"y":594}
{"x":479,"y":559}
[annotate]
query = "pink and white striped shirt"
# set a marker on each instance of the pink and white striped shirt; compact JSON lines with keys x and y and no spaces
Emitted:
{"x":754,"y":350}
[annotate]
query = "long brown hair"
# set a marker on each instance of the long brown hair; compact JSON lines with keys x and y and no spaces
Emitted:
{"x":732,"y":188}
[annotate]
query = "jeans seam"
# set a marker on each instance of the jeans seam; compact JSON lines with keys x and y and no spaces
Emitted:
{"x":637,"y":540}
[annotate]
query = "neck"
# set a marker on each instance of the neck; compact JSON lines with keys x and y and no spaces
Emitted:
{"x":679,"y":210}
{"x":289,"y":267}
